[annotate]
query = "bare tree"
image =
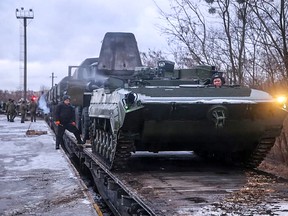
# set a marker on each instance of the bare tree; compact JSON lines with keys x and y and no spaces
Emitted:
{"x":272,"y":27}
{"x":216,"y":40}
{"x":151,"y":58}
{"x":234,"y":17}
{"x":187,"y":29}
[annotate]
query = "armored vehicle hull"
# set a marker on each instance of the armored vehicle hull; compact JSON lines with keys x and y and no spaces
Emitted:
{"x":235,"y":123}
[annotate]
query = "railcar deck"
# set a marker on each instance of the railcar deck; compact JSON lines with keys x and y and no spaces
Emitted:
{"x":181,"y":183}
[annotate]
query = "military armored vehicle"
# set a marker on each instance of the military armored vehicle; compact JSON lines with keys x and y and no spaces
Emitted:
{"x":79,"y":86}
{"x":164,"y":109}
{"x":119,"y":55}
{"x":129,"y":108}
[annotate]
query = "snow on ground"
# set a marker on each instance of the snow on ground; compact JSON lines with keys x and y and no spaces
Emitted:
{"x":34,"y":177}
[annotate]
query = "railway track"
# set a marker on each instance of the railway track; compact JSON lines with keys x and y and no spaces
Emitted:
{"x":182,"y":184}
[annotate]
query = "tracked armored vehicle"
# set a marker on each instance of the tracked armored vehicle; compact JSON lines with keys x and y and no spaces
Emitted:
{"x":79,"y":86}
{"x":164,"y":109}
{"x":118,"y":57}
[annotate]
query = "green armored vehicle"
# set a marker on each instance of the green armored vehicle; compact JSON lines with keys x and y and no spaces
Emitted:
{"x":162,"y":109}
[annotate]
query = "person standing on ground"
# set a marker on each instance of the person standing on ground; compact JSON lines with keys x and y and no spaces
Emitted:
{"x":12,"y":111}
{"x":23,"y":110}
{"x":33,"y":108}
{"x":7,"y":110}
{"x":65,"y":119}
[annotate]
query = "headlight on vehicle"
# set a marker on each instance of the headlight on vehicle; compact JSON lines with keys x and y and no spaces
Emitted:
{"x":282,"y":101}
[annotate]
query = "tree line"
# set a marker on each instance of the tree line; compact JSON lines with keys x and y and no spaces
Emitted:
{"x":247,"y":39}
{"x":17,"y":95}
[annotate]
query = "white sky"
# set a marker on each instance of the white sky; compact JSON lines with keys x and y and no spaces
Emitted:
{"x":65,"y":32}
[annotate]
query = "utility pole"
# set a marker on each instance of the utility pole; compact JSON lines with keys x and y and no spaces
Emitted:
{"x":24,"y":15}
{"x":53,"y":78}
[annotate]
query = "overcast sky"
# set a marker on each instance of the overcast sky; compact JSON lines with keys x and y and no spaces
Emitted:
{"x":65,"y":32}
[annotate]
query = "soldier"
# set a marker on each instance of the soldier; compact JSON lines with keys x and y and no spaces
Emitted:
{"x":6,"y":108}
{"x":217,"y":80}
{"x":12,"y":111}
{"x":23,"y":110}
{"x":65,"y":119}
{"x":33,"y":108}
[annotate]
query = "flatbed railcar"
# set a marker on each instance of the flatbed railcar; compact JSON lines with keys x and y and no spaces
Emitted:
{"x":172,"y":184}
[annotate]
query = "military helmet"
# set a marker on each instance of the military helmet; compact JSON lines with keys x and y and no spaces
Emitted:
{"x":218,"y":75}
{"x":65,"y":97}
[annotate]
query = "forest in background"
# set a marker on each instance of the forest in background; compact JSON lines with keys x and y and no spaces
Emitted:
{"x":247,"y":39}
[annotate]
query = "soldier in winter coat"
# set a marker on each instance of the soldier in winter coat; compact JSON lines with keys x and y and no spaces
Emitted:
{"x":65,"y":119}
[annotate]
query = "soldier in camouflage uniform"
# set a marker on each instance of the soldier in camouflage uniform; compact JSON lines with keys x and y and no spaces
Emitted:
{"x":33,"y":108}
{"x":6,"y":109}
{"x":23,"y":110}
{"x":12,"y":113}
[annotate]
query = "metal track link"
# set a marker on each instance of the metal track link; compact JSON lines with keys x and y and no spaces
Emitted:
{"x":112,"y":151}
{"x":123,"y":152}
{"x":120,"y":200}
{"x":264,"y":146}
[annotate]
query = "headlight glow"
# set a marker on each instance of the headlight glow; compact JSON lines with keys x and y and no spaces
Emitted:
{"x":281,"y":99}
